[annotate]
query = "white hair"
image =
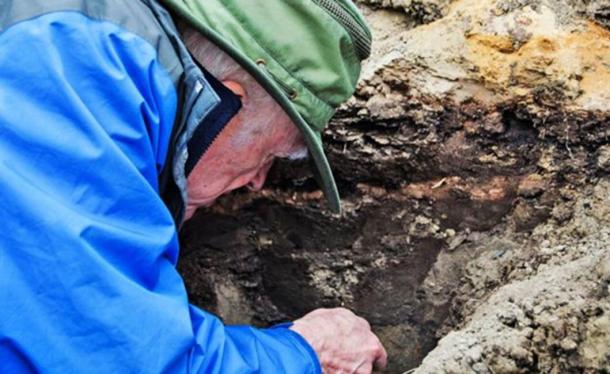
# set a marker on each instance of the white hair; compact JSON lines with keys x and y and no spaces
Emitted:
{"x":261,"y":109}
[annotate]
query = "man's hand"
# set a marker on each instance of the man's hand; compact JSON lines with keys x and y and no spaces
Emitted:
{"x":343,"y":341}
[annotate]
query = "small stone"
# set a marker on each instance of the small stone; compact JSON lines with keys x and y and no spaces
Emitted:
{"x":264,"y":241}
{"x":470,"y":127}
{"x":538,"y":337}
{"x":381,"y":140}
{"x":562,"y":213}
{"x":480,"y":368}
{"x":603,"y":158}
{"x":508,"y":318}
{"x":568,"y":345}
{"x":456,"y":241}
{"x":494,"y":124}
{"x":363,"y":113}
{"x":531,"y":186}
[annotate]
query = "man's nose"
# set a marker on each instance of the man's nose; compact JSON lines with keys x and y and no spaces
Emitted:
{"x":257,"y":183}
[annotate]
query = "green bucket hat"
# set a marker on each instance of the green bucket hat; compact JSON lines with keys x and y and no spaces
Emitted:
{"x":306,"y":53}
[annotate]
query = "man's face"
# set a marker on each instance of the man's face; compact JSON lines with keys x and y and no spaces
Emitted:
{"x":244,"y":151}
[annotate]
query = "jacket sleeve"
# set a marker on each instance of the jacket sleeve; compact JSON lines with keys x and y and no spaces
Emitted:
{"x":87,"y":248}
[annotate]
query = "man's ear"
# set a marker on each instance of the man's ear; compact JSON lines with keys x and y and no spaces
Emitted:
{"x":236,"y":88}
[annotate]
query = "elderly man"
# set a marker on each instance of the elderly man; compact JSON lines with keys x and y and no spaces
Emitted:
{"x":111,"y":134}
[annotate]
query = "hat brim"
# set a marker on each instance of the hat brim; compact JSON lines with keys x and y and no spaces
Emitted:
{"x":313,"y":139}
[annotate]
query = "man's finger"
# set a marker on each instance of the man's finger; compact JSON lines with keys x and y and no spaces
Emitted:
{"x":365,"y":368}
{"x":381,"y":360}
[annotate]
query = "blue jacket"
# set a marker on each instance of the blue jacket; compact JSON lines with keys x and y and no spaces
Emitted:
{"x":98,"y":100}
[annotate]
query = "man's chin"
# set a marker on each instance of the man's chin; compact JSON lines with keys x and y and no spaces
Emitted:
{"x":192,"y":208}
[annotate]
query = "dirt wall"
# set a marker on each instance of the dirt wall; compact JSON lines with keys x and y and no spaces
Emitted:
{"x":474,"y":165}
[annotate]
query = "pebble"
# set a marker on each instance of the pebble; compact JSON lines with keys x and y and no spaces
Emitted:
{"x":568,"y":344}
{"x":603,"y":158}
{"x":531,"y":186}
